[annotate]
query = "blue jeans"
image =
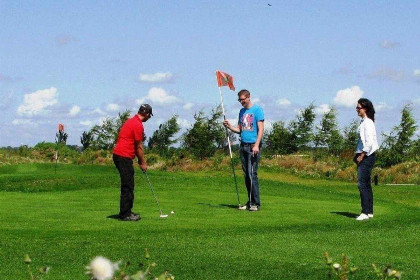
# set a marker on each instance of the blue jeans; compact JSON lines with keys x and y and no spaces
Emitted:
{"x":250,"y":169}
{"x":364,"y":171}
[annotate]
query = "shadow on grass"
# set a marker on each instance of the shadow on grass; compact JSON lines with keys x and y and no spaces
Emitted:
{"x":218,"y":205}
{"x":116,"y":217}
{"x":346,"y":214}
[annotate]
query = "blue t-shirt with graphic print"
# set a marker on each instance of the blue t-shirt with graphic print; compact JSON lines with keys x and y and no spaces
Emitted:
{"x":248,"y":119}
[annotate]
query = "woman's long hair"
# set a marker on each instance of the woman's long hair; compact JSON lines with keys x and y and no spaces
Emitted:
{"x":368,"y":106}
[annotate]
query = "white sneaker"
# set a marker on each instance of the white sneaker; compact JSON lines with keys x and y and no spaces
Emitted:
{"x":242,"y":207}
{"x":254,"y":208}
{"x":362,"y":217}
{"x":370,"y":216}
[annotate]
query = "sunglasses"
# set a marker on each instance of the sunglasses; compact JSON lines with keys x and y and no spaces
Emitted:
{"x":242,"y":99}
{"x":359,"y":108}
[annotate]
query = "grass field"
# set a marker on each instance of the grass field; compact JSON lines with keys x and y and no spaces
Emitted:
{"x":64,"y":219}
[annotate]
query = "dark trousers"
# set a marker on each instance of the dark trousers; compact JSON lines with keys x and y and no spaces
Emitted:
{"x":364,"y":171}
{"x":126,"y":170}
{"x":250,"y":169}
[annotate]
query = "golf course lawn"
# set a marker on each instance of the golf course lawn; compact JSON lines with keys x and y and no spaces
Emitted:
{"x":65,"y":218}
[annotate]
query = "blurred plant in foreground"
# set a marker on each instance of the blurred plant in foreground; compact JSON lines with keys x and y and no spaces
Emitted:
{"x":341,"y":271}
{"x":42,"y":271}
{"x":387,"y":273}
{"x":101,"y":268}
{"x":337,"y":270}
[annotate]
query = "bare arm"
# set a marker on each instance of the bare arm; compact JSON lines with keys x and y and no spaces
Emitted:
{"x":256,"y":148}
{"x":140,"y":156}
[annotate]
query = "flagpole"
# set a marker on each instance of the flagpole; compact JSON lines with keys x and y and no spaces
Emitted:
{"x":230,"y":148}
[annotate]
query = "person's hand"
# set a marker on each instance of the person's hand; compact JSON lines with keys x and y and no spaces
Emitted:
{"x":143,"y":167}
{"x":360,"y":158}
{"x":226,"y":123}
{"x":255,"y":150}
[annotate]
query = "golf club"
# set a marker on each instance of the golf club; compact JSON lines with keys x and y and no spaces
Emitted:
{"x":154,"y":195}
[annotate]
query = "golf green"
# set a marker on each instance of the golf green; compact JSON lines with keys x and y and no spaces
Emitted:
{"x":64,"y":218}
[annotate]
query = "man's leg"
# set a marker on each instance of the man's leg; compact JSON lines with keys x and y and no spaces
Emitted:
{"x":244,"y":154}
{"x":255,"y":196}
{"x":126,"y":170}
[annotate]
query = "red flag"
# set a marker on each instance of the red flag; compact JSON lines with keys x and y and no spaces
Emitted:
{"x":60,"y":127}
{"x":224,"y":79}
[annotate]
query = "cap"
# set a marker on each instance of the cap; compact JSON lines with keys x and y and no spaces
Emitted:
{"x":146,"y":108}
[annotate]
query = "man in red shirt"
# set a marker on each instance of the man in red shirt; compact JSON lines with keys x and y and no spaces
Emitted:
{"x":129,"y":145}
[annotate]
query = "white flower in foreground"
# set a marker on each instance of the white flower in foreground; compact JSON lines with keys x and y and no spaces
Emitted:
{"x":337,"y":266}
{"x":101,"y":268}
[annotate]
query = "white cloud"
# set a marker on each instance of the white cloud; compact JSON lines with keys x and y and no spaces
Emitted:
{"x":322,"y":109}
{"x":86,"y":123}
{"x":35,"y":103}
{"x":188,"y":106}
{"x":183,"y":123}
{"x":256,"y":100}
{"x":348,"y":97}
{"x":23,"y":122}
{"x":5,"y":100}
{"x":416,"y":73}
{"x":416,"y":101}
{"x":74,"y":110}
{"x":98,"y":111}
{"x":268,"y":125}
{"x":158,"y":96}
{"x":382,"y":106}
{"x":389,"y":44}
{"x":385,"y":73}
{"x":156,"y":77}
{"x":112,"y":107}
{"x":283,"y":102}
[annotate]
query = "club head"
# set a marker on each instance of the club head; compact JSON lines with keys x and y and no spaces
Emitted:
{"x":164,"y":216}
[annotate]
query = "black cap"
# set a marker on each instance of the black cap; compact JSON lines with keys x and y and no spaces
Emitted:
{"x":146,"y":108}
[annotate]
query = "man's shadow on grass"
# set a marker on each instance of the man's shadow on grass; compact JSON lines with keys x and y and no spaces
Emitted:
{"x":219,"y":205}
{"x":346,"y":214}
{"x":116,"y":217}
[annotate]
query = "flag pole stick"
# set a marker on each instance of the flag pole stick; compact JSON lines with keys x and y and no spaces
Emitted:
{"x":230,"y":148}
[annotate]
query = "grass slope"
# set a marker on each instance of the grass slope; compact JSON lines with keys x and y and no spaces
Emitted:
{"x":62,"y":220}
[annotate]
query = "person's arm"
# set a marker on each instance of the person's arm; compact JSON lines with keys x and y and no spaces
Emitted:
{"x":367,"y":135}
{"x":256,"y":148}
{"x":140,"y":156}
{"x":236,"y":129}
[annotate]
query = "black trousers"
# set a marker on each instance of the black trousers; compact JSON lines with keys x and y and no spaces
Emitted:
{"x":364,"y":171}
{"x":126,"y":170}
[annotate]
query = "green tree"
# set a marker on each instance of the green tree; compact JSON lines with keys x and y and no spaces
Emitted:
{"x":206,"y":135}
{"x":350,"y":136}
{"x":86,"y":139}
{"x":61,"y":137}
{"x":278,"y":139}
{"x":302,"y":128}
{"x":162,"y":138}
{"x":327,"y":133}
{"x":396,"y":145}
{"x":105,"y":135}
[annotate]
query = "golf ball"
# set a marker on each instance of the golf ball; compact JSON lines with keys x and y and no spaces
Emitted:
{"x":172,"y":212}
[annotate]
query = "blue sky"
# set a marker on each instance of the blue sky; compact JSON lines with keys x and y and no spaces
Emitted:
{"x":78,"y":62}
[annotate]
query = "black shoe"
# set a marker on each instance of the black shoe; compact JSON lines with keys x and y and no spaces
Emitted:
{"x":132,"y":217}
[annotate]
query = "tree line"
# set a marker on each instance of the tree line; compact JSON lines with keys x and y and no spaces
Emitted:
{"x":207,"y":135}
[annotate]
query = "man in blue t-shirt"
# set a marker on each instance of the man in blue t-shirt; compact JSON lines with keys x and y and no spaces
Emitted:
{"x":251,"y":130}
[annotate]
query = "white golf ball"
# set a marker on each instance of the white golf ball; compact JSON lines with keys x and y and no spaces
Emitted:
{"x":172,"y":212}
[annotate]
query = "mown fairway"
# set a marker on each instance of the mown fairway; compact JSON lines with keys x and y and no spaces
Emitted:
{"x":63,"y":220}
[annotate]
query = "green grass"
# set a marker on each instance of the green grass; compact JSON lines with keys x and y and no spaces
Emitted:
{"x":61,"y":220}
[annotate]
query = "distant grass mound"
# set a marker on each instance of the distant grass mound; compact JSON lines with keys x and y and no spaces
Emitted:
{"x":64,"y":218}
